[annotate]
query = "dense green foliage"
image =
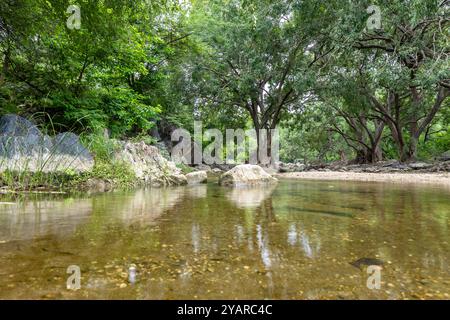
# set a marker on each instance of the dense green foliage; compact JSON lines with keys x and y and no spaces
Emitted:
{"x":88,"y":79}
{"x":337,"y":88}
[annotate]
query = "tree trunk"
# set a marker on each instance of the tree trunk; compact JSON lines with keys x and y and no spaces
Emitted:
{"x":374,"y":154}
{"x":416,"y":127}
{"x":263,"y":145}
{"x":377,"y":153}
{"x":410,"y":153}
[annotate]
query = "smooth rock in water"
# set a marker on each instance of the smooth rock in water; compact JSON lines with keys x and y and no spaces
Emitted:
{"x":367,"y":262}
{"x":197,"y":177}
{"x":246,"y":175}
{"x":14,"y":125}
{"x":149,"y":165}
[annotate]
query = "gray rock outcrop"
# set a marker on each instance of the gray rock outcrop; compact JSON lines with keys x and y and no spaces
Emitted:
{"x":24,"y":148}
{"x":14,"y":125}
{"x":149,"y":165}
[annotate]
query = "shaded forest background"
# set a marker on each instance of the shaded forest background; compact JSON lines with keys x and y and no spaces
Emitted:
{"x":336,"y":88}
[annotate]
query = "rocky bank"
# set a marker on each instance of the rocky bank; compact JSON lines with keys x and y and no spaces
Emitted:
{"x":25,"y":149}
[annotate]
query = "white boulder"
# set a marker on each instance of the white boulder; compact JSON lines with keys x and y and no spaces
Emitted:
{"x":197,"y":177}
{"x":246,"y":175}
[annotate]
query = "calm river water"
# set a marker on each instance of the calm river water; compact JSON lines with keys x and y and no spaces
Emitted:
{"x":296,"y":240}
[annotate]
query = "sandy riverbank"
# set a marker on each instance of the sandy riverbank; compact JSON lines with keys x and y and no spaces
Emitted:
{"x":442,"y":179}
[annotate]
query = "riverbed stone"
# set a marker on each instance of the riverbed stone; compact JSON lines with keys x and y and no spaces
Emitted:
{"x":149,"y":165}
{"x":246,"y":175}
{"x":197,"y":177}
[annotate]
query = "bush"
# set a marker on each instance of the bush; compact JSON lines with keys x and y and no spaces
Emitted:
{"x":100,"y":146}
{"x":119,"y":173}
{"x":184,"y":168}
